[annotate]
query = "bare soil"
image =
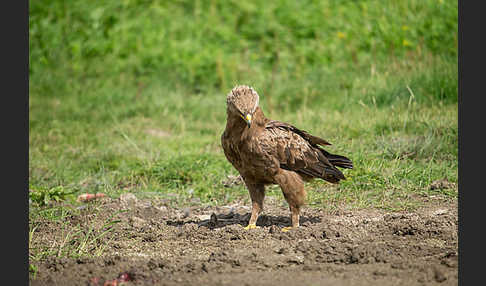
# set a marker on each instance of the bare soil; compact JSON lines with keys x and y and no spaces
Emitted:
{"x":155,"y":244}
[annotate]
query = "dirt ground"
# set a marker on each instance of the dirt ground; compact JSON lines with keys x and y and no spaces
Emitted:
{"x":155,"y":244}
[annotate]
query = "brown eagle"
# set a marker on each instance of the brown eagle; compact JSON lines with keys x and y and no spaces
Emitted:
{"x":266,"y":151}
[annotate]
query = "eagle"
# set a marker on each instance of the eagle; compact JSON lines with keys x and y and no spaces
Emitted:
{"x":266,"y":151}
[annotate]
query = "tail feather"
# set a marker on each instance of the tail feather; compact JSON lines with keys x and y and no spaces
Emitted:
{"x":332,"y":174}
{"x":325,"y":167}
{"x":338,"y":160}
{"x":330,"y":162}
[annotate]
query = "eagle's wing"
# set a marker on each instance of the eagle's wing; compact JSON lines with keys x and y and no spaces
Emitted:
{"x":298,"y":151}
{"x":313,"y":140}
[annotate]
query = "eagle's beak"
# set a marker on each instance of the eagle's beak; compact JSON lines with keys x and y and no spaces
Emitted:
{"x":248,"y":119}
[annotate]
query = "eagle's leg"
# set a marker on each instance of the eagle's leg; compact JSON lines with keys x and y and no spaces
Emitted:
{"x":293,"y":190}
{"x":257,"y":194}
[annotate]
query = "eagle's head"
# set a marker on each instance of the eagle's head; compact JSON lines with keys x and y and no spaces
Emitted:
{"x":242,"y":101}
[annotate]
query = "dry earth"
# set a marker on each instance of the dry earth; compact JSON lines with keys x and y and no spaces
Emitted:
{"x":155,"y":244}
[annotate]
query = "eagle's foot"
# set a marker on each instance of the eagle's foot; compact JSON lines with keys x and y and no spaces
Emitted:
{"x":287,"y":228}
{"x":251,"y":226}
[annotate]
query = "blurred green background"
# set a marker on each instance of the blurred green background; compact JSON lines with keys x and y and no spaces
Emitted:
{"x":129,"y":96}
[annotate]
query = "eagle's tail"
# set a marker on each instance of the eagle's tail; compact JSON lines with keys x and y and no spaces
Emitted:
{"x":338,"y":160}
{"x":331,"y":173}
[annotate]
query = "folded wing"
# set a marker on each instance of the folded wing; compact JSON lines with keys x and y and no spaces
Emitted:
{"x":299,"y":151}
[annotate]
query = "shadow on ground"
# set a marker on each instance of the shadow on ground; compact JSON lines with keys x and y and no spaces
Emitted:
{"x":222,"y":220}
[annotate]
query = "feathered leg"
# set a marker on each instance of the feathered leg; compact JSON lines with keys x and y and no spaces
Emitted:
{"x":257,"y":194}
{"x":292,"y":187}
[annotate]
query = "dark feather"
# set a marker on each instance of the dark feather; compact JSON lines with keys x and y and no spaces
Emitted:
{"x":338,"y":160}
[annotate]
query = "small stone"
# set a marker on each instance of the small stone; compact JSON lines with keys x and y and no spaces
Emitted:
{"x":137,"y":222}
{"x":203,"y":217}
{"x":186,"y":212}
{"x":146,"y":204}
{"x":297,"y":259}
{"x":128,"y":199}
{"x":440,"y":212}
{"x":89,"y":197}
{"x":274,"y":229}
{"x":282,"y":251}
{"x":439,"y":276}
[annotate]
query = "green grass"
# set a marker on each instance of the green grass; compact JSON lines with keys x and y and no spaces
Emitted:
{"x":129,"y":96}
{"x":68,"y":238}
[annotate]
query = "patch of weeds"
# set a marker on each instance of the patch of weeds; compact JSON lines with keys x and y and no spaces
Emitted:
{"x":43,"y":197}
{"x":87,"y":241}
{"x":33,"y":270}
{"x":87,"y":238}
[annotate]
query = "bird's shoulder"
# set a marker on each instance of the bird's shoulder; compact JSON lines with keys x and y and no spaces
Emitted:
{"x":281,"y":139}
{"x":285,"y":131}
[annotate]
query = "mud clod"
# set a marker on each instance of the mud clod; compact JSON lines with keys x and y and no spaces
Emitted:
{"x":128,"y":199}
{"x":439,"y":275}
{"x":442,"y":184}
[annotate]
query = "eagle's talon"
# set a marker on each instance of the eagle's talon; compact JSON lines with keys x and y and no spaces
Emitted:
{"x":287,"y":228}
{"x":251,"y":226}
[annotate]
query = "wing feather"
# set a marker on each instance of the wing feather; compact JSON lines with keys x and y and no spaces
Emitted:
{"x":297,"y":150}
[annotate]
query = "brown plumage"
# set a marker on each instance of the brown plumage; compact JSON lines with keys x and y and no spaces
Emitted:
{"x":267,"y":151}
